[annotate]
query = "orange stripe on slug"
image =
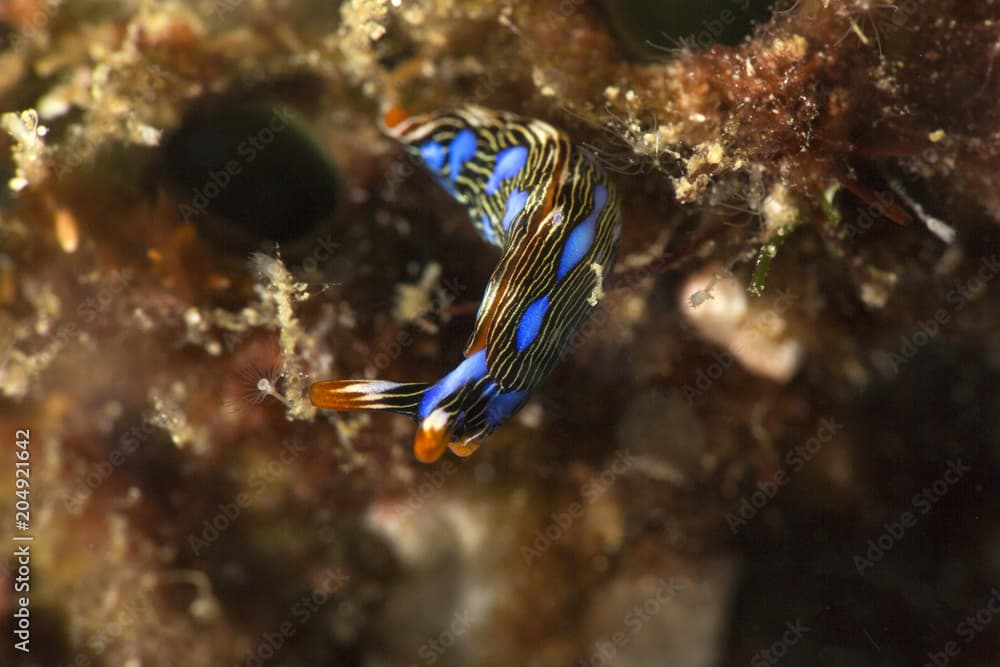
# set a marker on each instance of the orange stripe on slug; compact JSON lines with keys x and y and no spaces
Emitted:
{"x":463,"y":450}
{"x":394,"y":116}
{"x":550,"y":193}
{"x":330,"y":395}
{"x":485,"y":320}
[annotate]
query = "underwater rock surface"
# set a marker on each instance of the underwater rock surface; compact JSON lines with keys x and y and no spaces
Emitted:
{"x":774,"y":441}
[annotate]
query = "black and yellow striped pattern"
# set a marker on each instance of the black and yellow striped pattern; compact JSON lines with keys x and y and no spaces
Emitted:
{"x":494,"y":132}
{"x":554,"y":215}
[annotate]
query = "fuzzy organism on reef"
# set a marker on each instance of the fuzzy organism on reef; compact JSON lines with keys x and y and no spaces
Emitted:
{"x":828,"y":95}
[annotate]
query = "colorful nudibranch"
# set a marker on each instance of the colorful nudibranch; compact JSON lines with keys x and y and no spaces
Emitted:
{"x":550,"y":208}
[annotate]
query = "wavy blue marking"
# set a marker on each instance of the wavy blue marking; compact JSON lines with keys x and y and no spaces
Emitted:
{"x":582,"y":236}
{"x":433,"y":155}
{"x":509,"y":162}
{"x":531,"y":323}
{"x":515,"y":206}
{"x":461,"y":149}
{"x":488,"y":230}
{"x":470,"y":370}
{"x":503,"y":405}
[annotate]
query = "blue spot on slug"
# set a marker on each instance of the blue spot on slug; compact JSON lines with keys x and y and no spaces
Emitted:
{"x":509,"y":162}
{"x":531,"y":323}
{"x":470,"y":370}
{"x":488,"y":230}
{"x":433,"y":155}
{"x":515,"y":206}
{"x":503,"y":405}
{"x":582,"y":236}
{"x":460,"y":151}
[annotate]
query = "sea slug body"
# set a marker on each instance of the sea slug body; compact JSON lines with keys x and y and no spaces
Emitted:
{"x":551,"y":210}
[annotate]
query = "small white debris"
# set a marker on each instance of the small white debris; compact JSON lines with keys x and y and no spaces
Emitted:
{"x":935,"y":226}
{"x":755,"y":334}
{"x":413,"y":302}
{"x":714,"y":154}
{"x":531,"y":415}
{"x":29,"y":147}
{"x":780,"y":211}
{"x":192,"y":317}
{"x":598,"y":292}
